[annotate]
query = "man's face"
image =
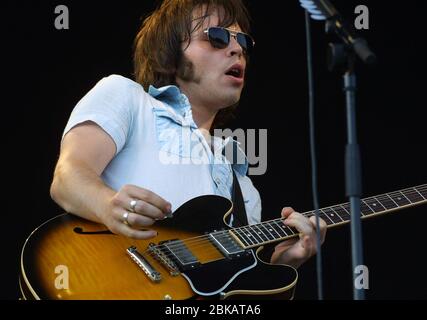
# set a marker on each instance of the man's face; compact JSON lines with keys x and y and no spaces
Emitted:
{"x":204,"y":76}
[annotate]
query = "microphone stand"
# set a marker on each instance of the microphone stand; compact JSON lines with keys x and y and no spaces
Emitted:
{"x":353,"y":175}
{"x":344,"y":55}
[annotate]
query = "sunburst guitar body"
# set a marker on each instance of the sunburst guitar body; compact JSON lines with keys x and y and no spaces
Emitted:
{"x":195,"y":255}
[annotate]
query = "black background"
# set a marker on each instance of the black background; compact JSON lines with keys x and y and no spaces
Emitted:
{"x":49,"y":70}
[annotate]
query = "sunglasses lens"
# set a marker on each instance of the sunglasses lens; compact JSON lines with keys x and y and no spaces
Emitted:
{"x":218,"y":37}
{"x":245,"y":42}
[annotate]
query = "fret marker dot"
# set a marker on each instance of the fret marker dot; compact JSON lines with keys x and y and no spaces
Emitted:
{"x":374,"y":204}
{"x":399,"y":198}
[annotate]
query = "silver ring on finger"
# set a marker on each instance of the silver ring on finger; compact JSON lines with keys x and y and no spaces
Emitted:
{"x":125,"y":218}
{"x":132,"y":205}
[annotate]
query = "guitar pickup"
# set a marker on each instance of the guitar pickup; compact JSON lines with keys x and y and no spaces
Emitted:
{"x":226,"y":244}
{"x":180,"y":254}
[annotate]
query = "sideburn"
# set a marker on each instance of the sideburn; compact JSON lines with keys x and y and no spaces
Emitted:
{"x":186,"y":71}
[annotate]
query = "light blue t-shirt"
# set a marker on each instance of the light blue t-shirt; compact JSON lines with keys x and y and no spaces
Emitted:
{"x":158,"y":144}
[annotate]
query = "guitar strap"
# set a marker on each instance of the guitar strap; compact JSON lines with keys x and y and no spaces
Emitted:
{"x":240,"y":218}
{"x":239,"y":212}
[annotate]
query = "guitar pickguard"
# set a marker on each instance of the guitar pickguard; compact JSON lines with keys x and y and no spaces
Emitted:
{"x":212,"y":278}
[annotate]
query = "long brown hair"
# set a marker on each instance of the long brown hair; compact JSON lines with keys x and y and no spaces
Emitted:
{"x":157,"y":48}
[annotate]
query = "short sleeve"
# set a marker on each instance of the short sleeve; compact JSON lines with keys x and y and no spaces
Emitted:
{"x":110,"y":104}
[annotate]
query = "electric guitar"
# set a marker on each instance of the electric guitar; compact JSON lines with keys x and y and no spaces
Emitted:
{"x":71,"y":258}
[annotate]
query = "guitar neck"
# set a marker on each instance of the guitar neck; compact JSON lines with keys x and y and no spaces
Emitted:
{"x":274,"y":230}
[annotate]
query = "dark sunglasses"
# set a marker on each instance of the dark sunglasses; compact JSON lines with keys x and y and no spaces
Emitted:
{"x":219,"y":38}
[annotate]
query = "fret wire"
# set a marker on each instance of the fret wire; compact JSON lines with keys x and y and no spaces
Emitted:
{"x":290,"y":229}
{"x":348,"y":212}
{"x":283,"y":227}
{"x":332,"y":214}
{"x":248,"y":235}
{"x":401,"y":192}
{"x":325,"y":214}
{"x":385,"y":198}
{"x":373,"y":204}
{"x":423,"y":192}
{"x":321,"y":214}
{"x":412,"y":190}
{"x":266,"y":238}
{"x":380,"y":203}
{"x":399,"y":198}
{"x":275,"y":227}
{"x":272,"y":228}
{"x":267,"y":231}
{"x":255,"y":234}
{"x":386,"y":203}
{"x":367,"y":205}
{"x":392,"y":201}
{"x":411,"y":193}
{"x":336,"y":213}
{"x":413,"y":196}
{"x":310,"y":213}
{"x":380,"y":199}
{"x":241,"y":237}
{"x":419,"y":193}
{"x":389,"y":195}
{"x":280,"y":228}
{"x":364,"y":206}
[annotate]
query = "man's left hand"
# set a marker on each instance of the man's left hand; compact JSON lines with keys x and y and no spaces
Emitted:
{"x":295,"y":252}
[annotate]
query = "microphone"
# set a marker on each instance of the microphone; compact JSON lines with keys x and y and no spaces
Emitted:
{"x":324,"y":10}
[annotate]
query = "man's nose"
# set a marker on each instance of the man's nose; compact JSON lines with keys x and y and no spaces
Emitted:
{"x":234,"y":47}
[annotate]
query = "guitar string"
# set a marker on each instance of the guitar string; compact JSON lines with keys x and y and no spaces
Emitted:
{"x":201,"y":240}
{"x":205,"y":238}
{"x":184,"y":245}
{"x":309,"y":213}
{"x":192,"y":243}
{"x":209,"y":248}
{"x":264,"y":224}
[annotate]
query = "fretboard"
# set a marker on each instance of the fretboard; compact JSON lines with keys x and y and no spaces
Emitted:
{"x":274,"y":230}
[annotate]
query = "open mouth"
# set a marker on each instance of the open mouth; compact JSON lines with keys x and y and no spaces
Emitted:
{"x":235,"y":71}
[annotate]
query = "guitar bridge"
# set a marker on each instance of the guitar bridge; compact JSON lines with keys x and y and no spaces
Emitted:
{"x":164,"y":260}
{"x":148,"y":269}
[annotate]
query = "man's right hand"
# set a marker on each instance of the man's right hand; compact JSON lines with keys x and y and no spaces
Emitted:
{"x":121,"y":218}
{"x":78,"y":188}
